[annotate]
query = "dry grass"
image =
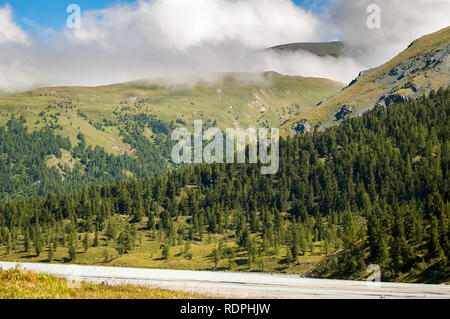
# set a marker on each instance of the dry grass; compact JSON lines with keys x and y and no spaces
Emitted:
{"x":16,"y":284}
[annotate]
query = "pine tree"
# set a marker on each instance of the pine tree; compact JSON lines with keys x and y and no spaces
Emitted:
{"x":37,"y":242}
{"x":50,"y":253}
{"x":26,"y":242}
{"x":106,"y":256}
{"x":86,"y":242}
{"x":96,"y":239}
{"x":165,"y":252}
{"x":252,"y":250}
{"x":72,"y":251}
{"x":435,"y":250}
{"x":216,"y":257}
{"x":294,"y":252}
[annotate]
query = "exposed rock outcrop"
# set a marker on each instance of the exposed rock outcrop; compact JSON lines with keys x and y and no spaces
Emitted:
{"x":392,"y":99}
{"x":344,"y":112}
{"x":302,"y":127}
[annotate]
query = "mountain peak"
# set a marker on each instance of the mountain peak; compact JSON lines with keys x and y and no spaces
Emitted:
{"x":321,"y":49}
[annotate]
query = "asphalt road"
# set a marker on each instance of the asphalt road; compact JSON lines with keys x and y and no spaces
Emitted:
{"x":236,"y":285}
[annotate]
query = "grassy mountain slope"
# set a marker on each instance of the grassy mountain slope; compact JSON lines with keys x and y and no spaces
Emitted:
{"x":237,"y":99}
{"x":421,"y":67}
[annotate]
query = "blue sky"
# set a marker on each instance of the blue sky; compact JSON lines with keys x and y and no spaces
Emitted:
{"x":32,"y":15}
{"x":50,"y":13}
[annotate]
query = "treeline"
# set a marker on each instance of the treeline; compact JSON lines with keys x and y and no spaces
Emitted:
{"x":24,"y":155}
{"x":23,"y":167}
{"x":373,"y":190}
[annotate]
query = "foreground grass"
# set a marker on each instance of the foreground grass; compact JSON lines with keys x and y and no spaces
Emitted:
{"x":16,"y":284}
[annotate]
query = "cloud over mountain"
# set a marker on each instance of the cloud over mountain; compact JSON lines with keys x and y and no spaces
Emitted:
{"x":186,"y":39}
{"x":401,"y":23}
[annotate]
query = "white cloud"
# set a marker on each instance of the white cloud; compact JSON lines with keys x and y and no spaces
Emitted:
{"x":15,"y":72}
{"x":181,"y":24}
{"x":161,"y":38}
{"x":196,"y":38}
{"x":9,"y":31}
{"x":401,"y":23}
{"x":341,"y":69}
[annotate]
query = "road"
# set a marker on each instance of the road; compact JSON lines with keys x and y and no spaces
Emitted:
{"x":236,"y":285}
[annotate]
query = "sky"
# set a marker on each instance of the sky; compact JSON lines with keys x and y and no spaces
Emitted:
{"x":188,"y":40}
{"x":31,"y":14}
{"x":36,"y":16}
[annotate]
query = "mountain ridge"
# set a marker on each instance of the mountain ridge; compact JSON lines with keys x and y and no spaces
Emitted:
{"x":321,"y":49}
{"x":420,"y":68}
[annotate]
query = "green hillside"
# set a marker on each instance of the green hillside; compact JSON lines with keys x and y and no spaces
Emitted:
{"x":55,"y":140}
{"x":423,"y":66}
{"x":242,"y":99}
